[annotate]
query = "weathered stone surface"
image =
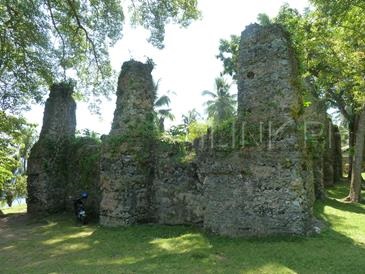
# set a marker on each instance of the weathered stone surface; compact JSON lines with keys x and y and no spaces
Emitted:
{"x":126,"y":160}
{"x":178,"y":192}
{"x":83,"y":170}
{"x":266,"y":75}
{"x":267,"y":188}
{"x":323,"y":142}
{"x":134,"y":96}
{"x":329,"y":154}
{"x":316,"y":133}
{"x":47,"y":168}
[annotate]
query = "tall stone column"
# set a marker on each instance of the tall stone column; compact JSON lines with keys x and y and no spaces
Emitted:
{"x":47,"y":165}
{"x":316,"y":132}
{"x":126,"y":167}
{"x":267,"y":186}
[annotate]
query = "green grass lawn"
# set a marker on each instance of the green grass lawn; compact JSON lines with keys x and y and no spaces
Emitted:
{"x":58,"y":245}
{"x":15,"y":209}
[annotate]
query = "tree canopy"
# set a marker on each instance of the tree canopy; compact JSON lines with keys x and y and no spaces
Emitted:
{"x":16,"y":140}
{"x":45,"y":41}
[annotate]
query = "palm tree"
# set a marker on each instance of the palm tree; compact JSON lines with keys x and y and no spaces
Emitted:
{"x":163,"y":113}
{"x":192,"y":116}
{"x":222,"y":104}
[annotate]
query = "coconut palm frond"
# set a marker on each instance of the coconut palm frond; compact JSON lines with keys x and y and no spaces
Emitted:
{"x":166,"y":113}
{"x":164,"y":100}
{"x":222,"y":105}
{"x":156,"y":85}
{"x":209,"y":93}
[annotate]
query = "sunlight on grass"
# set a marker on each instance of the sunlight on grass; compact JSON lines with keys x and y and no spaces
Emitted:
{"x":75,"y":247}
{"x":346,"y":218}
{"x":15,"y":209}
{"x":7,"y":248}
{"x":269,"y":269}
{"x":128,"y":260}
{"x":60,"y":239}
{"x":57,"y":244}
{"x":182,"y":244}
{"x":49,"y":225}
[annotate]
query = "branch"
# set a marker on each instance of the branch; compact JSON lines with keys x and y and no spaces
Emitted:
{"x":338,"y":101}
{"x":80,"y":26}
{"x":59,"y":34}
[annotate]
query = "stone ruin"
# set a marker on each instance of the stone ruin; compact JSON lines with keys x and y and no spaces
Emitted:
{"x":260,"y":180}
{"x":126,"y":159}
{"x":58,"y":165}
{"x":48,"y":157}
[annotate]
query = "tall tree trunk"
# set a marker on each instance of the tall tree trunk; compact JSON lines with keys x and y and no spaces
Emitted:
{"x":355,"y":188}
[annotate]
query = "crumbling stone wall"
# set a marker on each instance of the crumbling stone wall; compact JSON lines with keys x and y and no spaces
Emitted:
{"x":316,"y":142}
{"x":329,"y":155}
{"x":61,"y":166}
{"x":177,"y":188}
{"x":126,"y":160}
{"x":263,"y":188}
{"x":47,"y":168}
{"x":83,"y":170}
{"x":266,"y":188}
{"x":259,"y":181}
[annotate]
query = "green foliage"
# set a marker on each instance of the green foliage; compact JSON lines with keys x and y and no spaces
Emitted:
{"x":44,"y":41}
{"x":162,"y":112}
{"x":143,"y":134}
{"x":264,"y":19}
{"x":177,"y":133}
{"x":227,"y":137}
{"x":178,"y":150}
{"x":85,"y":152}
{"x":228,"y":54}
{"x":337,"y":10}
{"x":196,"y":130}
{"x":222,"y":105}
{"x":16,"y":140}
{"x":88,"y":134}
{"x":191,"y":117}
{"x":154,"y":14}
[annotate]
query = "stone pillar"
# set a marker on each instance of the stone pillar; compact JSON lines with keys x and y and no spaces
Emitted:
{"x":329,"y":155}
{"x":316,"y":133}
{"x":126,"y":166}
{"x":47,"y":165}
{"x":266,"y":188}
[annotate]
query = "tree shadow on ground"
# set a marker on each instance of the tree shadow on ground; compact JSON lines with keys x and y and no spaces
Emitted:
{"x":57,"y":244}
{"x":343,"y":206}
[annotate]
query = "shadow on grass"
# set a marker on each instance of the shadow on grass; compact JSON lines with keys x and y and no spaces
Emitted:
{"x":344,"y":206}
{"x":57,"y":244}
